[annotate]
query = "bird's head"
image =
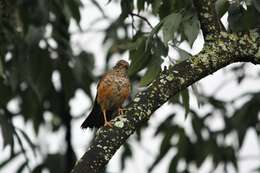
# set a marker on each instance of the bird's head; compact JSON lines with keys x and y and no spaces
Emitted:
{"x":122,"y":64}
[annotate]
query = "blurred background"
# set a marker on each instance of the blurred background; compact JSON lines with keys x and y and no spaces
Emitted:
{"x":52,"y":54}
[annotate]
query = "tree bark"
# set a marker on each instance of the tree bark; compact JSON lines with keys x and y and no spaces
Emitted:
{"x":219,"y":51}
{"x":208,"y":17}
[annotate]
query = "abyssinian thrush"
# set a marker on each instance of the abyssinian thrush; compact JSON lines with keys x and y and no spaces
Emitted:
{"x":112,"y":90}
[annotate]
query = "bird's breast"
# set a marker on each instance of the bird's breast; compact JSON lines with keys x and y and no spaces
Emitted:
{"x":112,"y":91}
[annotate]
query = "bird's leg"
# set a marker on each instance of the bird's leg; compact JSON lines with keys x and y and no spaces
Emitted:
{"x":120,"y":111}
{"x":105,"y":118}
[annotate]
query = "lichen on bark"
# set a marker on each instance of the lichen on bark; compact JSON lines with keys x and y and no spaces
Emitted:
{"x":218,"y":52}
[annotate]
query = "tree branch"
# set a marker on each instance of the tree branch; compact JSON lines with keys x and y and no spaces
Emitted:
{"x":217,"y":53}
{"x":210,"y":24}
{"x":143,"y":18}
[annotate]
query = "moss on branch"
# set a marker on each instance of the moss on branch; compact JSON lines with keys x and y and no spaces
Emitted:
{"x":207,"y":15}
{"x":218,"y":52}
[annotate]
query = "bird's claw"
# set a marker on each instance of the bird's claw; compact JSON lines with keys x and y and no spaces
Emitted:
{"x":108,"y":124}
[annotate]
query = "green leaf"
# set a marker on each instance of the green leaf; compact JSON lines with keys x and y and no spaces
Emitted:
{"x":197,"y":125}
{"x":221,"y":7}
{"x":68,"y":80}
{"x":256,"y":4}
{"x":240,"y":19}
{"x":55,"y":163}
{"x":7,"y":161}
{"x":21,"y":167}
{"x":16,"y":67}
{"x":28,"y":140}
{"x":198,"y":154}
{"x":240,"y":119}
{"x":173,"y":165}
{"x":140,"y":5}
{"x":230,"y":156}
{"x":84,"y":65}
{"x":159,"y":48}
{"x":5,"y":93}
{"x":166,"y":142}
{"x":183,"y":54}
{"x":22,"y":147}
{"x":170,"y":26}
{"x":186,"y":101}
{"x":153,"y":47}
{"x":156,"y":6}
{"x":7,"y":130}
{"x":164,"y":148}
{"x":126,"y":8}
{"x":218,"y":104}
{"x":1,"y":68}
{"x":39,"y":72}
{"x":196,"y":94}
{"x":174,"y":6}
{"x":74,"y":9}
{"x":154,"y":31}
{"x":34,"y":35}
{"x":127,"y":152}
{"x":153,"y":69}
{"x":191,"y":30}
{"x":184,"y":143}
{"x":139,"y":56}
{"x":35,"y":13}
{"x":38,"y":169}
{"x":31,"y":108}
{"x":166,"y":125}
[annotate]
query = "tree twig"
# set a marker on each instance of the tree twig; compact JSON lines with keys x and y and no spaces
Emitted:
{"x":143,"y":18}
{"x":146,"y":20}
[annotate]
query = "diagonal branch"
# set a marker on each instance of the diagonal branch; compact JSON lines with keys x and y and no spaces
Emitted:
{"x":227,"y":49}
{"x":208,"y":18}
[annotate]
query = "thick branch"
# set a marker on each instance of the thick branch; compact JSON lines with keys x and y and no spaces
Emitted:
{"x":218,"y":53}
{"x":207,"y":15}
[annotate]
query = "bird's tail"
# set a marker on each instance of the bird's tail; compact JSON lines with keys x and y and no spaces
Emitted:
{"x":96,"y":118}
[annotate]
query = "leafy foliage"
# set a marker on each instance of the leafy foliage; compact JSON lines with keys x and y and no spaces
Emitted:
{"x":28,"y":61}
{"x":240,"y":14}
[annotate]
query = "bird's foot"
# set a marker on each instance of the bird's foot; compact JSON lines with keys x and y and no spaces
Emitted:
{"x":108,"y":124}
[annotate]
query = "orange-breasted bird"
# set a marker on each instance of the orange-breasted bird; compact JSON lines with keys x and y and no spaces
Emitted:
{"x":112,"y":90}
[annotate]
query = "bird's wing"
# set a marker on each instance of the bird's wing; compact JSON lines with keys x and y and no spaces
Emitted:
{"x":102,"y":78}
{"x":93,"y":119}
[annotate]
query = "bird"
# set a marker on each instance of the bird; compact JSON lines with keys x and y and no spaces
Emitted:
{"x":112,"y":90}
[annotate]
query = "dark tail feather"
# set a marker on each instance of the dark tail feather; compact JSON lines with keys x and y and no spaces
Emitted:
{"x":96,"y":118}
